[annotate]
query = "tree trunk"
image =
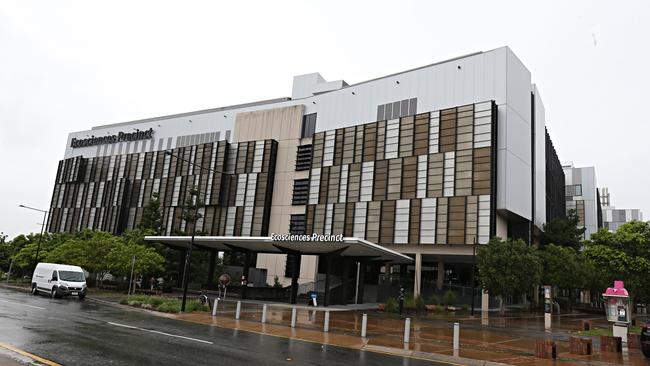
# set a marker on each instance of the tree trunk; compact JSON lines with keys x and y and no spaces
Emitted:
{"x":502,"y":306}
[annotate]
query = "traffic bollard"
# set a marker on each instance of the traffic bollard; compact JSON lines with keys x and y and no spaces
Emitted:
{"x":238,"y":310}
{"x":214,"y":306}
{"x":407,"y":330}
{"x":456,"y":336}
{"x":264,"y":313}
{"x":326,"y":323}
{"x":293,"y":317}
{"x":364,"y":325}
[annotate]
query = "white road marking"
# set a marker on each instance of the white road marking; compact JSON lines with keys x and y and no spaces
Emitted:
{"x":17,"y":303}
{"x":157,"y":332}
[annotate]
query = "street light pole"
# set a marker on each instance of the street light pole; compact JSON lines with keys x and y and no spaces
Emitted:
{"x":40,"y":238}
{"x":195,"y":216}
{"x":473,"y":273}
{"x":194,"y":193}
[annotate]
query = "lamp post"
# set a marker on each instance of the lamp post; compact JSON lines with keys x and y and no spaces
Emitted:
{"x":194,"y":192}
{"x":473,"y":274}
{"x":40,"y":238}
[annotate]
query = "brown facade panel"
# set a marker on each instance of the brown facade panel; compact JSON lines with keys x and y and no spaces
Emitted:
{"x":421,"y":134}
{"x":435,"y":174}
{"x":414,"y":220}
{"x":380,"y":180}
{"x":373,"y":221}
{"x":463,"y":173}
{"x":448,"y":130}
{"x":394,"y":188}
{"x":369,"y":142}
{"x":354,"y":182}
{"x":409,"y":177}
{"x":358,"y":144}
{"x":482,"y":171}
{"x":319,"y":144}
{"x":456,"y":220}
{"x":348,"y":145}
{"x":406,"y":135}
{"x":387,"y":222}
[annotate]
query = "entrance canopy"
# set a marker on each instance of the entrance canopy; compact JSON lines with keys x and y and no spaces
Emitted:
{"x":345,"y":247}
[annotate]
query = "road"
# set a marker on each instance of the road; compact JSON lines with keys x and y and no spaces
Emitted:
{"x":74,"y":332}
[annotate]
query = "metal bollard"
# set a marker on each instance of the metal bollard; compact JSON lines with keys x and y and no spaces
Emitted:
{"x":326,"y":323}
{"x":293,"y":317}
{"x":264,"y":313}
{"x":238,"y":310}
{"x":214,"y":306}
{"x":456,"y":336}
{"x":364,"y":325}
{"x":407,"y":330}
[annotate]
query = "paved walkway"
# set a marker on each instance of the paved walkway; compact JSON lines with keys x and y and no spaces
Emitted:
{"x":496,"y":339}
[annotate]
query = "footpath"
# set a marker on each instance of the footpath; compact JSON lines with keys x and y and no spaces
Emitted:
{"x":487,"y":341}
{"x":483,"y":341}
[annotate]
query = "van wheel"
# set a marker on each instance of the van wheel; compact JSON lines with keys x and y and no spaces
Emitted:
{"x":82,"y":296}
{"x":53,"y":294}
{"x":34,"y":289}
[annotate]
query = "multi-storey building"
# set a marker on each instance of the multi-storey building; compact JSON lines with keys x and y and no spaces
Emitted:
{"x":582,"y":196}
{"x":614,"y":217}
{"x":424,"y":162}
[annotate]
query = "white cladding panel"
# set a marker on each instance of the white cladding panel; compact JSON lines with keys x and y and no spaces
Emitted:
{"x":540,"y":160}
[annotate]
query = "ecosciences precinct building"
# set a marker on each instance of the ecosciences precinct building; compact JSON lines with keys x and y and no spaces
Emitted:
{"x":399,"y":177}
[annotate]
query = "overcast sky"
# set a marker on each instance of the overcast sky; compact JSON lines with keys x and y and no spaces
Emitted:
{"x":67,"y":66}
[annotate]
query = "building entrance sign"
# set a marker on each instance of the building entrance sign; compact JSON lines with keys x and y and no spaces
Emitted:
{"x":313,"y":237}
{"x":112,"y":139}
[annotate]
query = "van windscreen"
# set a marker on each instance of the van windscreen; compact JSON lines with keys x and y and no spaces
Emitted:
{"x":71,"y":276}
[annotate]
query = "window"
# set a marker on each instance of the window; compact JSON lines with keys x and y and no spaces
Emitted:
{"x":300,"y":192}
{"x":308,"y":125}
{"x":303,"y":157}
{"x":297,"y":224}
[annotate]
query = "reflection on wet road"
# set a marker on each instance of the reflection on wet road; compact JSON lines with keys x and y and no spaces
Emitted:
{"x":74,"y":332}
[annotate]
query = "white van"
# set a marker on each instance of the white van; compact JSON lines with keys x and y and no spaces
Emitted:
{"x":59,"y":280}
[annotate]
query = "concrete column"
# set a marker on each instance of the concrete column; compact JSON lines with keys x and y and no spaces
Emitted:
{"x":345,"y":280}
{"x":328,"y":270}
{"x":246,"y":269}
{"x":294,"y":278}
{"x":362,"y":278}
{"x":441,"y":275}
{"x":417,"y":286}
{"x":211,"y":266}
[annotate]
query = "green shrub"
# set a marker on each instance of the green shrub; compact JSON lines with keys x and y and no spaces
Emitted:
{"x":170,"y":307}
{"x":409,"y":302}
{"x":276,"y":282}
{"x":194,"y":305}
{"x":449,"y":298}
{"x":391,"y":305}
{"x":135,"y":303}
{"x":434,"y":300}
{"x":419,"y":302}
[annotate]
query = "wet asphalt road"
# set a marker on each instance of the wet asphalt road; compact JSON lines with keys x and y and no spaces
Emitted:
{"x":74,"y":332}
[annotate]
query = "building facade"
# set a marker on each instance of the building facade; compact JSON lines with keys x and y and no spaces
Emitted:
{"x":614,"y":217}
{"x":426,"y":162}
{"x":583,"y":197}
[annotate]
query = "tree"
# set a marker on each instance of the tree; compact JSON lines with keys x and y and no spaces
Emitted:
{"x":623,"y":255}
{"x":146,"y":259}
{"x":507,"y":268}
{"x":564,"y":231}
{"x":560,"y":265}
{"x":152,"y":215}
